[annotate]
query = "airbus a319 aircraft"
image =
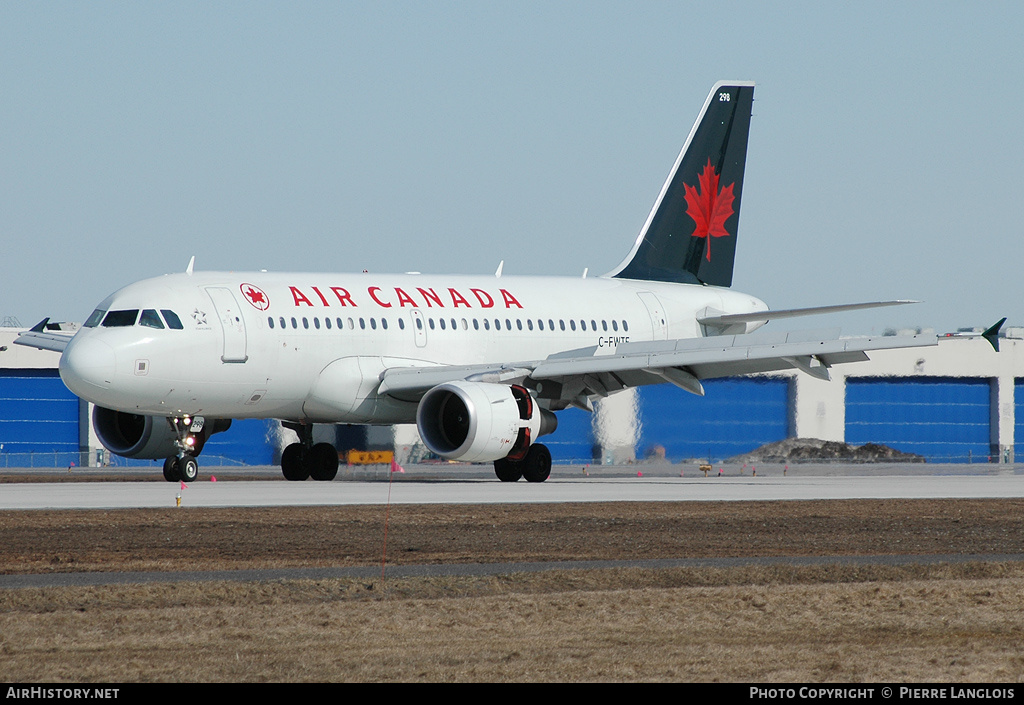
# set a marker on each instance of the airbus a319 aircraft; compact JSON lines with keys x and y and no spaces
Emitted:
{"x":481,"y":364}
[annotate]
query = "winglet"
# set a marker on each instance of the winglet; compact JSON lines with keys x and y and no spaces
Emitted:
{"x":992,"y":334}
{"x":191,"y":263}
{"x":41,"y":326}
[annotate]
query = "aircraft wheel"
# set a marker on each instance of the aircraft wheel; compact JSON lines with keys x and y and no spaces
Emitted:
{"x":293,"y":462}
{"x":189,"y":468}
{"x":508,"y":470}
{"x":537,"y":464}
{"x":171,"y":472}
{"x":323,"y":462}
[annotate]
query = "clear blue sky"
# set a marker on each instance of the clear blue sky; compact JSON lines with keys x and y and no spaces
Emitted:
{"x":885,"y":152}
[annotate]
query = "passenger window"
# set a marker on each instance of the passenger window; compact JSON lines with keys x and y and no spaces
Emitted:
{"x":338,"y":320}
{"x":476,"y":324}
{"x":94,"y":318}
{"x":583,"y":325}
{"x":294,"y":324}
{"x":362,"y":324}
{"x":540,"y":324}
{"x":316,"y":322}
{"x":572,"y":324}
{"x":561,"y":324}
{"x":270,"y":321}
{"x":305,"y":323}
{"x":519,"y":324}
{"x":529,"y":323}
{"x":384,"y":323}
{"x":419,"y":324}
{"x":373,"y":323}
{"x":625,"y":326}
{"x":401,"y":323}
{"x":508,"y":324}
{"x":551,"y":324}
{"x":615,"y":326}
{"x":604,"y":326}
{"x":487,"y":324}
{"x":150,"y":319}
{"x":443,"y":324}
{"x":327,"y":322}
{"x":593,"y":325}
{"x":121,"y":319}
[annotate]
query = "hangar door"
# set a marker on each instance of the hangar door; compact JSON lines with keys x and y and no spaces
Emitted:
{"x":945,"y":419}
{"x":38,"y":420}
{"x":734,"y":416}
{"x":1018,"y":413}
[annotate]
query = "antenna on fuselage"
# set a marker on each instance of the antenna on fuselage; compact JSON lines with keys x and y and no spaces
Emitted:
{"x":191,"y":263}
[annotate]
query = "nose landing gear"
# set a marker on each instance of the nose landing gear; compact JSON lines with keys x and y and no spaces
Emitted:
{"x":184,"y":467}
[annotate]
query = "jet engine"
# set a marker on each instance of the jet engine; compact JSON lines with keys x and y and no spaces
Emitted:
{"x":147,"y":437}
{"x":480,"y":421}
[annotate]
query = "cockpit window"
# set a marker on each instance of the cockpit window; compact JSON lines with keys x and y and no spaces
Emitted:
{"x":120,"y":319}
{"x":150,"y":319}
{"x":94,"y":318}
{"x":172,"y":319}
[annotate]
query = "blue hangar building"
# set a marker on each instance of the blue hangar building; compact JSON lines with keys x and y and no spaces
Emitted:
{"x":957,"y":402}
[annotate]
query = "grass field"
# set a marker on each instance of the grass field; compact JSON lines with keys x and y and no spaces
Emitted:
{"x":924,"y":623}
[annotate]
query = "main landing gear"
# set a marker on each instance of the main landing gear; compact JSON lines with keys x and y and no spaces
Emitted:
{"x":307,"y":459}
{"x":535,"y":467}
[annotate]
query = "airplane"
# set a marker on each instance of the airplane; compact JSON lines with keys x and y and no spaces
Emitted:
{"x":481,"y":364}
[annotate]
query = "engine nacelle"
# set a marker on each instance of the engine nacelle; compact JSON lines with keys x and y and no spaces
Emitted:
{"x":481,"y":422}
{"x":146,"y":437}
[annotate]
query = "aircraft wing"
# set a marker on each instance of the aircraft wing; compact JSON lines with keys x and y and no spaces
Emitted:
{"x":39,"y":337}
{"x":572,"y":377}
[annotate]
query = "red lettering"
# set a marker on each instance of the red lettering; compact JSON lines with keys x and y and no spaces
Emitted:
{"x":321,"y":296}
{"x":510,"y":300}
{"x":404,"y":298}
{"x":483,"y":297}
{"x":299,"y":297}
{"x":430,"y":295}
{"x":373,"y":295}
{"x":343,"y":296}
{"x":457,"y":299}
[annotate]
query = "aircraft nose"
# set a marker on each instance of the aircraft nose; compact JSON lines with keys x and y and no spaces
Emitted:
{"x":86,"y":365}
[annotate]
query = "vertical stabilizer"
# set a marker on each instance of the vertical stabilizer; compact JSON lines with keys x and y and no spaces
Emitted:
{"x":690,"y":234}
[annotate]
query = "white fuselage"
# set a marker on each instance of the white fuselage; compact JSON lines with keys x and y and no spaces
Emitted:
{"x":253,"y":345}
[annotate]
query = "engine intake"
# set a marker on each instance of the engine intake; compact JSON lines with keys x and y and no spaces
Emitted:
{"x":146,"y":437}
{"x":481,"y":422}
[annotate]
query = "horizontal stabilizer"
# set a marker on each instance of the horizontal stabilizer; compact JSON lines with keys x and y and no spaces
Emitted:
{"x":732,"y":318}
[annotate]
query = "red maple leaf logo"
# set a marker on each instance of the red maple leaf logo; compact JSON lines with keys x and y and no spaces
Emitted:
{"x":709,"y":208}
{"x":255,"y":296}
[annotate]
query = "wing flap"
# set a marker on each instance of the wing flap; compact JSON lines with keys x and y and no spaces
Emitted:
{"x":683,"y":362}
{"x":724,"y":355}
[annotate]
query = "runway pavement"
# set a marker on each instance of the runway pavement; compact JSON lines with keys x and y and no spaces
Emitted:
{"x":478,"y":486}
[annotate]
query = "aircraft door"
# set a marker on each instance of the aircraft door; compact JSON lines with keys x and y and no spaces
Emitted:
{"x":659,"y":323}
{"x":419,"y":327}
{"x":231,"y":323}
